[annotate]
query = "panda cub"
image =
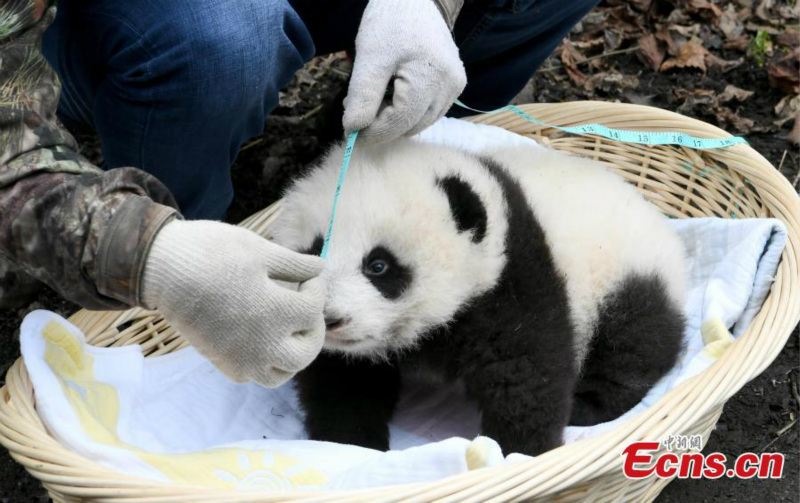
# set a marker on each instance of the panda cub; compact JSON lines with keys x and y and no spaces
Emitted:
{"x":544,"y":282}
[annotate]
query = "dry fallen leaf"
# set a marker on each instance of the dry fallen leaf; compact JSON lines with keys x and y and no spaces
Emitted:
{"x":745,"y":9}
{"x":789,"y":38}
{"x":625,"y":19}
{"x":784,"y":71}
{"x":570,"y":57}
{"x":756,"y":27}
{"x":729,"y":23}
{"x":639,"y":99}
{"x":690,"y":55}
{"x":593,"y":24}
{"x":788,"y":11}
{"x":675,"y":35}
{"x":705,"y":9}
{"x":695,"y":100}
{"x":650,"y":52}
{"x":677,"y":16}
{"x":786,"y":109}
{"x":729,"y":119}
{"x":641,"y":5}
{"x":724,"y":64}
{"x":762,"y":11}
{"x":591,"y":43}
{"x":682,"y":93}
{"x":611,"y":80}
{"x":794,"y":134}
{"x":740,"y":43}
{"x":664,"y":35}
{"x":687,"y":31}
{"x":734,"y":93}
{"x":612,"y":39}
{"x":708,"y":102}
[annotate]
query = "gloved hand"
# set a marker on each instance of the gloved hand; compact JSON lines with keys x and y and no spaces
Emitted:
{"x":408,"y":41}
{"x":213,"y":282}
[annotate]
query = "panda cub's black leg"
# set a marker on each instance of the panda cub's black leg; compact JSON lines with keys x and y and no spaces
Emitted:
{"x":348,"y":400}
{"x":523,"y":407}
{"x":514,"y":353}
{"x":638,"y":340}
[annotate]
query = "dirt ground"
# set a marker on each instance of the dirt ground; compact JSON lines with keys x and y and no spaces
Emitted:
{"x":641,"y":51}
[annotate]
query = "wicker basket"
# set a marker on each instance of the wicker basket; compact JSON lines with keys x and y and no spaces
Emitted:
{"x":733,"y":183}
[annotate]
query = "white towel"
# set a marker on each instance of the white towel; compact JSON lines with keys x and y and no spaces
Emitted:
{"x":175,"y":418}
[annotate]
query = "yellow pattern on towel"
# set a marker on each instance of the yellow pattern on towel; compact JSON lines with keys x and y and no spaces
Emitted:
{"x":95,"y":403}
{"x":97,"y":406}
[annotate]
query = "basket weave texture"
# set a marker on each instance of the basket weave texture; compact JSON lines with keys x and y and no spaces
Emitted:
{"x":735,"y":182}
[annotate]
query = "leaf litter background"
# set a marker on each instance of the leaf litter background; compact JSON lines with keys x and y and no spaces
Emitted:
{"x":732,"y":63}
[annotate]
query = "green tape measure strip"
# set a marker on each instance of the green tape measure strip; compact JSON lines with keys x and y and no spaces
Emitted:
{"x":348,"y":151}
{"x":640,"y":137}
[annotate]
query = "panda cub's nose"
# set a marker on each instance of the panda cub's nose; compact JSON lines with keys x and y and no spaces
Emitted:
{"x":334,"y":322}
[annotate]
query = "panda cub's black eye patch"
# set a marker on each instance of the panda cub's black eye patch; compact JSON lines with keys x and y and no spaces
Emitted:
{"x":385,"y":272}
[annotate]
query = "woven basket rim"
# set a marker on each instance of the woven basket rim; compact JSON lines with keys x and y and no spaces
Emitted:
{"x":696,"y":401}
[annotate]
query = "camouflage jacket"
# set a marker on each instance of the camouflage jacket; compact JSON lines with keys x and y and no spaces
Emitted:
{"x":83,"y":231}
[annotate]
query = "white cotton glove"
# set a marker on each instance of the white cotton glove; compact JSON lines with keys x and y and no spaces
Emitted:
{"x":408,"y":41}
{"x":213,"y":283}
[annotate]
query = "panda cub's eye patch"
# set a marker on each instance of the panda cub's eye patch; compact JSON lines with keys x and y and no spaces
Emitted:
{"x":382,"y":268}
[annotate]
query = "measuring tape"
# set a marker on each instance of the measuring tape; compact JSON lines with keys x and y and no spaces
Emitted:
{"x":348,"y":151}
{"x":640,"y":137}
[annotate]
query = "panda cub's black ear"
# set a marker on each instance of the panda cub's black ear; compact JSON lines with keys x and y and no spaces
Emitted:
{"x":466,"y":207}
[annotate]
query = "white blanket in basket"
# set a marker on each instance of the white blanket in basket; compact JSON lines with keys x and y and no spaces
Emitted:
{"x":175,"y":418}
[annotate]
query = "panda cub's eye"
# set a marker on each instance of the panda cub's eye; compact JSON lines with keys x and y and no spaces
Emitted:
{"x":377,"y":267}
{"x":386,"y":273}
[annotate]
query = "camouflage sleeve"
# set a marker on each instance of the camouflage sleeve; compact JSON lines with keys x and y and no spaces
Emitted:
{"x":83,"y":231}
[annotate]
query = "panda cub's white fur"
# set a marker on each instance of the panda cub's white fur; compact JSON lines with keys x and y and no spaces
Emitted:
{"x":597,"y":226}
{"x":543,"y":281}
{"x":382,"y":204}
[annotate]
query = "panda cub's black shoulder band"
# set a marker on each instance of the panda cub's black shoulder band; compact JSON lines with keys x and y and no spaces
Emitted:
{"x":468,"y":211}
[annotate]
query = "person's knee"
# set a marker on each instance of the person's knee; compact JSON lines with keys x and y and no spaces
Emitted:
{"x":235,"y":55}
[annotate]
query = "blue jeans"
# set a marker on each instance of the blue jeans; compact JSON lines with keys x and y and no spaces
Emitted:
{"x":176,"y":87}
